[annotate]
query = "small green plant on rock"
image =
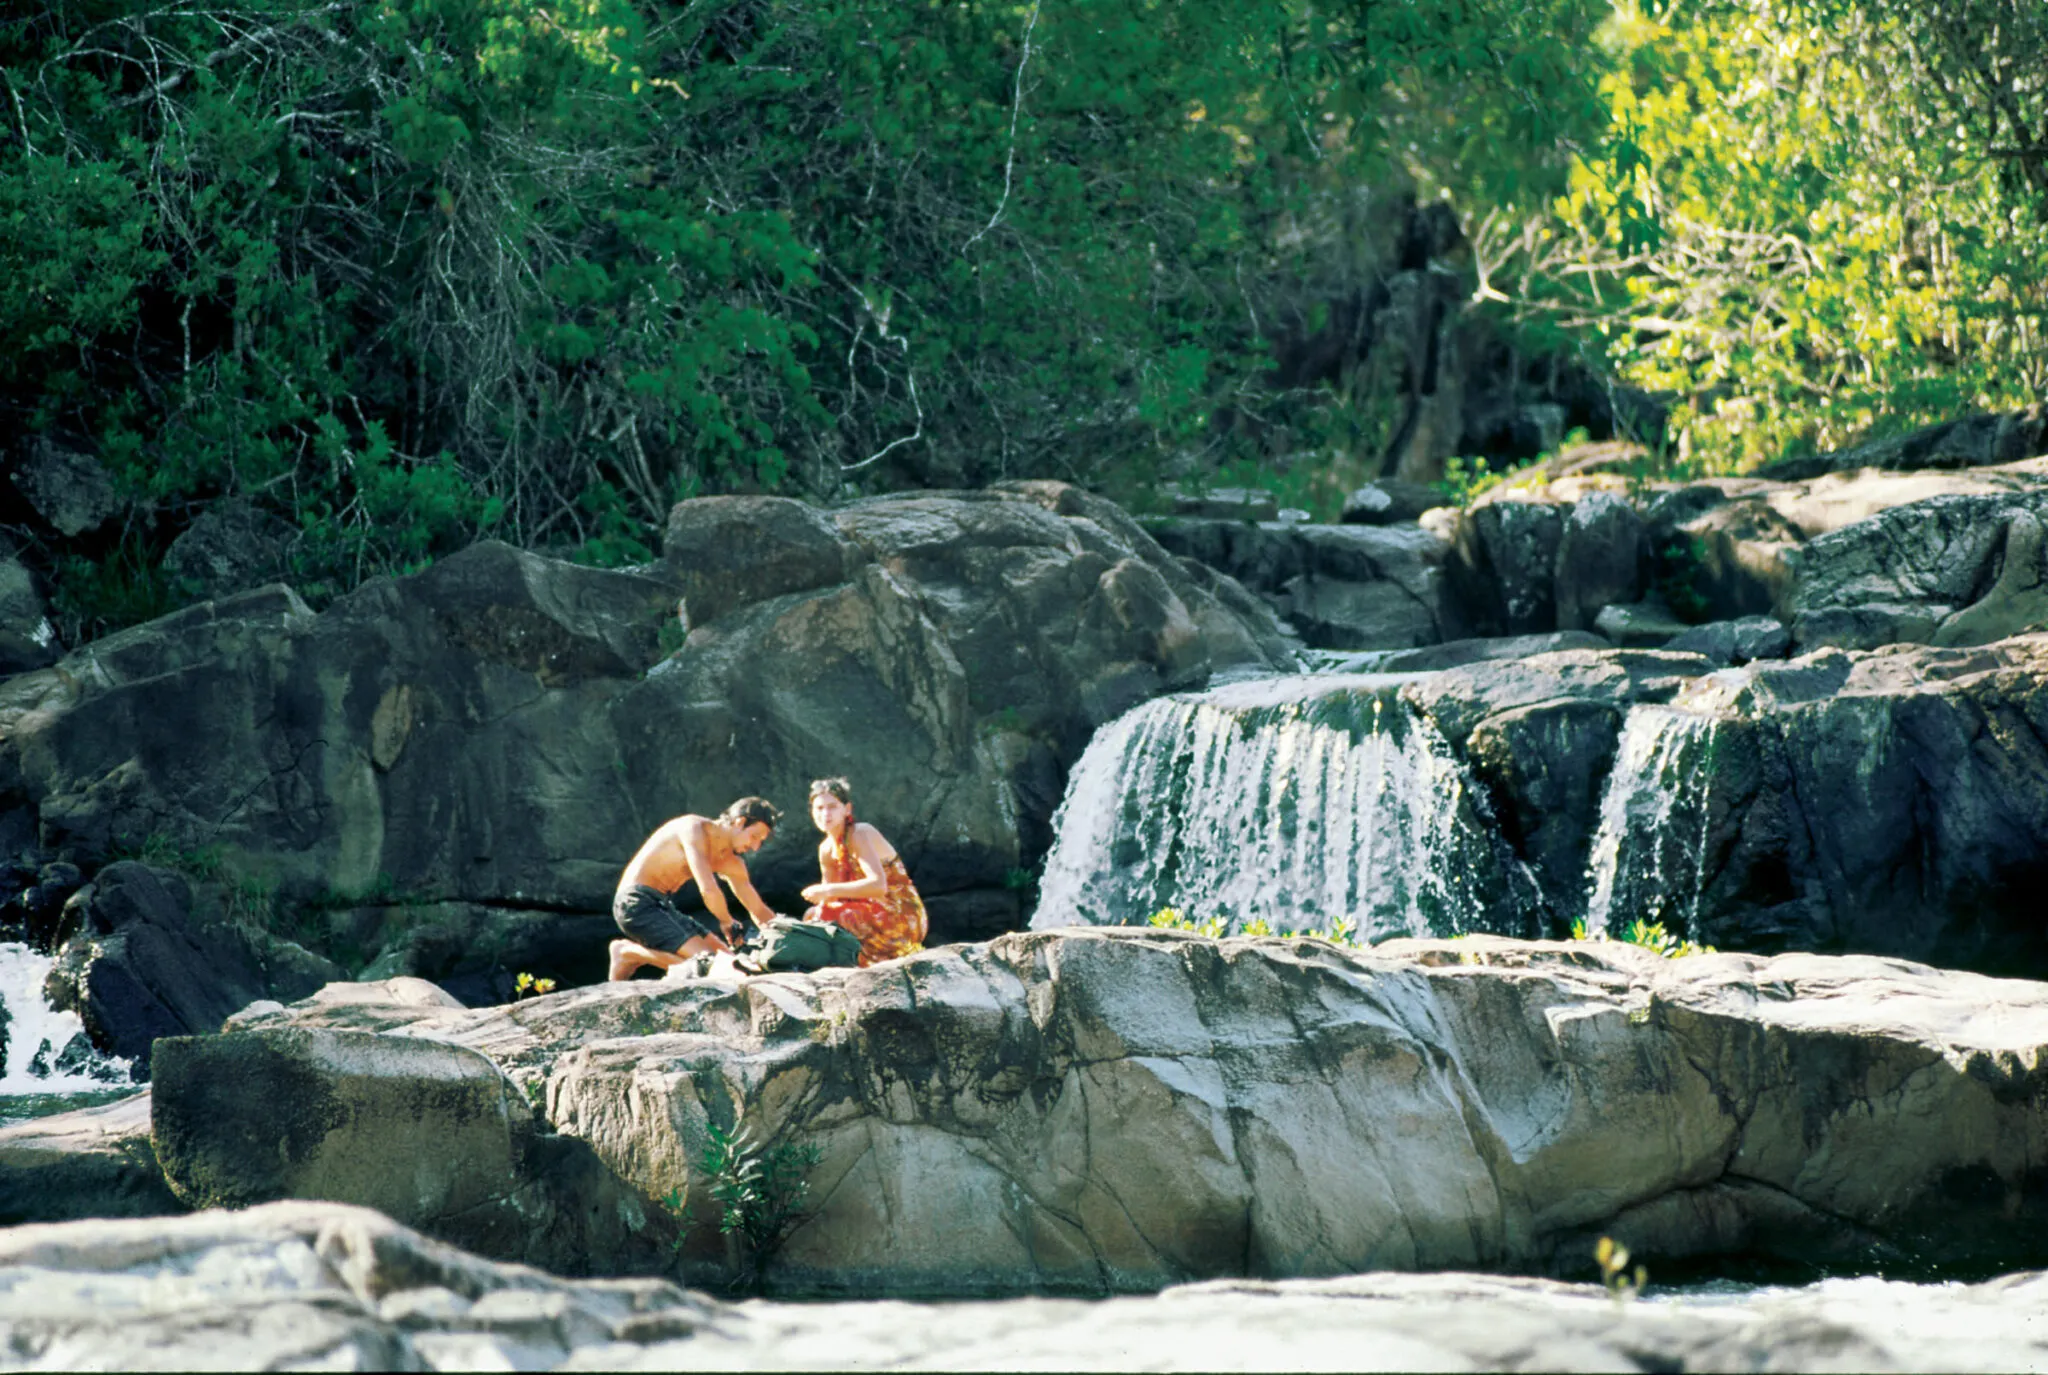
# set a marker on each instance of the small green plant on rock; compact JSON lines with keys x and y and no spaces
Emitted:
{"x":1170,"y":919}
{"x":1650,"y":935}
{"x":527,"y":986}
{"x":759,"y":1189}
{"x":1612,"y":1257}
{"x":1342,"y":931}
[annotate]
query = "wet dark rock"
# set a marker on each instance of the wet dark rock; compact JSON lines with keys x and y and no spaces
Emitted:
{"x":41,"y":904}
{"x":1389,"y":501}
{"x":1735,"y":642}
{"x":144,"y":968}
{"x":71,"y":491}
{"x":1503,"y":566}
{"x":233,"y":546}
{"x":1599,"y":559}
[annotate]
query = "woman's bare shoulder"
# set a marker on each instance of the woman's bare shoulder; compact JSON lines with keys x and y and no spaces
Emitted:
{"x":874,"y":840}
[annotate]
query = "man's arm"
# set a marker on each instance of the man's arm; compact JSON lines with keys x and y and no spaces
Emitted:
{"x":737,"y":879}
{"x":695,"y":853}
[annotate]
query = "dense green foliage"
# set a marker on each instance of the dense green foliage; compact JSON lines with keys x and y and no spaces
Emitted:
{"x":1817,"y":219}
{"x":404,"y":271}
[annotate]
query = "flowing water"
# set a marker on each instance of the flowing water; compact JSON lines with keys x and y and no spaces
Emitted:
{"x":50,"y":1067}
{"x":1305,"y":802}
{"x":1648,"y":856}
{"x":1323,"y":800}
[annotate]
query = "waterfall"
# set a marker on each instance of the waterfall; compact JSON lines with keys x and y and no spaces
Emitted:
{"x":1650,"y":849}
{"x":47,"y":1053}
{"x":1302,"y":801}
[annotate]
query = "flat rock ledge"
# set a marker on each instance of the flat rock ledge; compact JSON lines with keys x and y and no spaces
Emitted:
{"x":1096,"y":1111}
{"x":327,"y":1286}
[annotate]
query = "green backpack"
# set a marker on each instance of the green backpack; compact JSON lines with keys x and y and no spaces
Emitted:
{"x":786,"y":943}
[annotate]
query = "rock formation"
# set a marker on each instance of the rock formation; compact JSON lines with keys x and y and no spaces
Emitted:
{"x":1903,"y":541}
{"x":495,"y":734}
{"x":341,"y":1288}
{"x":1093,"y":1111}
{"x":300,"y":1284}
{"x":142,"y":965}
{"x":94,"y":1162}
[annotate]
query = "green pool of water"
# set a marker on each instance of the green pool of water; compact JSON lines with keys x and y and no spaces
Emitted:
{"x":25,"y":1107}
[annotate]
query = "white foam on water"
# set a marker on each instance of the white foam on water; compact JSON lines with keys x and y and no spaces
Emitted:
{"x":33,"y":1023}
{"x":1648,"y":854}
{"x":1240,"y":803}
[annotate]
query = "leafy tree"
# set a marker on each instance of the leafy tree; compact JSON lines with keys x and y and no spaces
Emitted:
{"x":407,"y":270}
{"x":1813,"y":219}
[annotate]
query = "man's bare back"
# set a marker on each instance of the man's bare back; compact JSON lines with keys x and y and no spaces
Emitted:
{"x":683,"y":850}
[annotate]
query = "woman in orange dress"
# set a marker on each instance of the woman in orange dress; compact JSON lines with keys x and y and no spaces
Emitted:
{"x":864,"y":887}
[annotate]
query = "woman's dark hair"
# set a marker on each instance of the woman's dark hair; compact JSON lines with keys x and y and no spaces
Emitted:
{"x":838,"y":787}
{"x":748,"y":811}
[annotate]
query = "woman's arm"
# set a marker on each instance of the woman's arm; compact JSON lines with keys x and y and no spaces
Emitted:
{"x":865,"y":843}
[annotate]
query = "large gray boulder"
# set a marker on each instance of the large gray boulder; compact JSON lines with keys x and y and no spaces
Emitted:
{"x":430,"y":1134}
{"x":297,"y":1285}
{"x":92,"y":1162}
{"x":1093,"y":1111}
{"x":1347,"y":587}
{"x":502,"y":729}
{"x":144,"y":965}
{"x":1504,"y":564}
{"x":1958,"y":569}
{"x":71,"y":492}
{"x":232,"y":546}
{"x":333,"y":1287}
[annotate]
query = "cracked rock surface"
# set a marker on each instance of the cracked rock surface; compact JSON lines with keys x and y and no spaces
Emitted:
{"x":1098,"y":1110}
{"x":494,"y":733}
{"x":327,"y":1286}
{"x":301,"y":1286}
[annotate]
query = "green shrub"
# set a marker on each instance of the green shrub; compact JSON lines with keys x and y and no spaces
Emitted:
{"x":759,"y":1188}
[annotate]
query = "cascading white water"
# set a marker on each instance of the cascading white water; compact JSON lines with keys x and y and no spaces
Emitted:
{"x":1649,"y":851}
{"x":1301,"y":801}
{"x":38,"y":1035}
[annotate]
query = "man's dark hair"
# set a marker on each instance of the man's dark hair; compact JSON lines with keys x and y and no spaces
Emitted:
{"x":749,"y":810}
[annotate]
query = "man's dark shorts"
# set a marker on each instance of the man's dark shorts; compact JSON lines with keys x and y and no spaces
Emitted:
{"x":651,"y":918}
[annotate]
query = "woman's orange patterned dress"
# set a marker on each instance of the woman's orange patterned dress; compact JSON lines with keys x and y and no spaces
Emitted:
{"x":888,"y":926}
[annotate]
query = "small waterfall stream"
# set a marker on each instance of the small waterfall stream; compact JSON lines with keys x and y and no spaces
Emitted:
{"x":1303,"y":802}
{"x":1648,"y":854}
{"x":49,"y":1063}
{"x":1324,"y":800}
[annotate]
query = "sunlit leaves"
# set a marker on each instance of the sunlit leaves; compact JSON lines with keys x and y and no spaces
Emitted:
{"x":1784,"y":239}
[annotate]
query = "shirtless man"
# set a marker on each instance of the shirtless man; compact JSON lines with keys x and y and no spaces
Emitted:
{"x":657,"y":931}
